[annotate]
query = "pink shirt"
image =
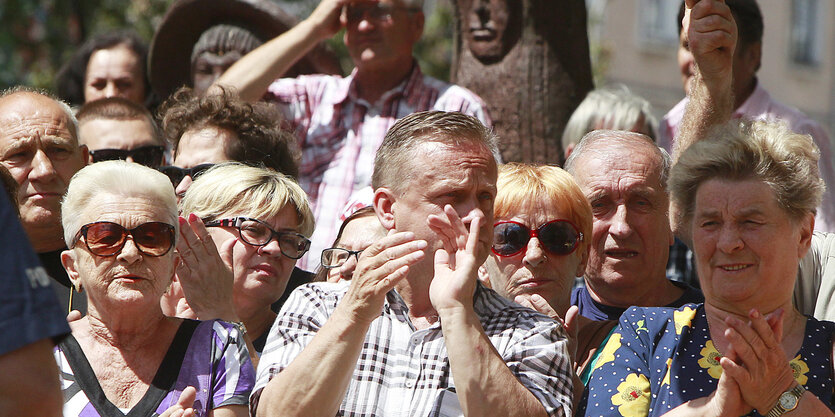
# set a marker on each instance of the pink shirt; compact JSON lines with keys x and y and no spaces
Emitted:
{"x":339,"y":134}
{"x":760,"y":106}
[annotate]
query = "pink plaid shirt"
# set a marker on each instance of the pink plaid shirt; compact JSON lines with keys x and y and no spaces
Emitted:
{"x":339,"y":134}
{"x":760,"y":106}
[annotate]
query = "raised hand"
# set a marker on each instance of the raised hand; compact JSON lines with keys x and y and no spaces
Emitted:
{"x":327,"y":17}
{"x":381,"y":266}
{"x":712,"y":36}
{"x":456,"y":269}
{"x":204,"y":273}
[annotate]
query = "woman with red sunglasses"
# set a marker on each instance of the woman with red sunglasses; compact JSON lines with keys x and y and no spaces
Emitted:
{"x":540,"y":244}
{"x":125,"y":356}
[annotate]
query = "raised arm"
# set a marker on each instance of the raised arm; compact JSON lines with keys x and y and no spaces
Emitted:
{"x":484,"y":383}
{"x":254,"y":72}
{"x":315,"y":383}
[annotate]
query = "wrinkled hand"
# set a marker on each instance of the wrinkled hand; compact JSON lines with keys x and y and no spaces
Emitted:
{"x":205,"y":273}
{"x":327,"y":17}
{"x":456,"y":269}
{"x":712,"y":36}
{"x":727,"y":399}
{"x":570,"y":324}
{"x":761,"y":367}
{"x":381,"y":266}
{"x":183,"y":406}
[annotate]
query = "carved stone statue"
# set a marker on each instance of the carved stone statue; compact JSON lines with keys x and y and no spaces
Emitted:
{"x":529,"y":60}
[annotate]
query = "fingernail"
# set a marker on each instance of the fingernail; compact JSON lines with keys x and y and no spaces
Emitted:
{"x":422,"y":244}
{"x":754,"y":313}
{"x":192,"y":217}
{"x":181,"y":220}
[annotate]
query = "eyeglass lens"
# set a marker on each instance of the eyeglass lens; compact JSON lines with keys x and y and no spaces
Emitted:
{"x":150,"y":156}
{"x":257,"y":233}
{"x":107,"y":239}
{"x":336,"y":257}
{"x":558,"y":237}
{"x":176,"y":174}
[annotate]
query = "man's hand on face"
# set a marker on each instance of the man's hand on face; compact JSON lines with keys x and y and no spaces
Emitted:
{"x":327,"y":17}
{"x":379,"y":269}
{"x":712,"y":37}
{"x":456,"y":269}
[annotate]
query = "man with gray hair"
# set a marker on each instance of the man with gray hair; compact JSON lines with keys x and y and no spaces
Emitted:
{"x":624,"y":175}
{"x":340,"y":122}
{"x":39,"y":146}
{"x":414,"y":333}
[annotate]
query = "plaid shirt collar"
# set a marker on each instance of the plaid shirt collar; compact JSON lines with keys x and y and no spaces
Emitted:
{"x":347,"y":91}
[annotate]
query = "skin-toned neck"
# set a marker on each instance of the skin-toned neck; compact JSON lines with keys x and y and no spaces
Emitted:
{"x":717,"y":313}
{"x":743,"y":92}
{"x":415,"y":293}
{"x":372,"y":83}
{"x":45,"y":237}
{"x":257,"y":321}
{"x":127,"y":328}
{"x":661,"y":294}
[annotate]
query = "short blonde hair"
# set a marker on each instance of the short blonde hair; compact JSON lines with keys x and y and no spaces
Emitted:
{"x":786,"y":161}
{"x":119,"y":178}
{"x":260,"y":192}
{"x":522,"y":185}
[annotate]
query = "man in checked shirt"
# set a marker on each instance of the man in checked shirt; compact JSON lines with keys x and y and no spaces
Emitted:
{"x":414,"y":333}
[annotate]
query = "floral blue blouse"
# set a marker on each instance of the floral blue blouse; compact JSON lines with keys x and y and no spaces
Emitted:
{"x":660,"y":358}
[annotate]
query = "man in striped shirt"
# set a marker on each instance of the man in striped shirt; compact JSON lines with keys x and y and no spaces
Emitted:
{"x":414,"y":333}
{"x":340,"y":122}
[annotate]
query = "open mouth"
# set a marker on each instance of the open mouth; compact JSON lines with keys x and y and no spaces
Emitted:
{"x":621,"y":254}
{"x":734,"y":267}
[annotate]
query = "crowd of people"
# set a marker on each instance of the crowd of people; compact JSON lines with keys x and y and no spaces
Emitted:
{"x":262,"y":243}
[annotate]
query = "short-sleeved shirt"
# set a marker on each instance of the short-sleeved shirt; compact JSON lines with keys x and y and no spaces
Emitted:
{"x":339,"y":134}
{"x":814,"y":290}
{"x":29,"y":309}
{"x":406,"y":372}
{"x":660,"y":358}
{"x":590,"y":308}
{"x":210,"y":356}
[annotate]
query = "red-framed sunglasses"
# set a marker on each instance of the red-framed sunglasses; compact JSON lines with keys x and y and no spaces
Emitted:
{"x":559,"y":237}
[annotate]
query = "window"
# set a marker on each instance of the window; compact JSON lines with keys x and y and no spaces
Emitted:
{"x":657,"y":21}
{"x":805,"y":42}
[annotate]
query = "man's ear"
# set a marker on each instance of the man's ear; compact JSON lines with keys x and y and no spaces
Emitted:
{"x":384,"y":201}
{"x":584,"y":260}
{"x":68,"y":261}
{"x":85,"y":154}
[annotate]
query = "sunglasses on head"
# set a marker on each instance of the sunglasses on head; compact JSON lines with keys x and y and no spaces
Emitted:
{"x":176,"y":174}
{"x":150,"y":156}
{"x":257,"y":233}
{"x":107,"y":238}
{"x":559,"y":237}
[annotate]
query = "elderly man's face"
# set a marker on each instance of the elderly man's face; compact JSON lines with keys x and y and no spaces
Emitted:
{"x":463,"y":176}
{"x":631,"y":231}
{"x":379,"y":34}
{"x":41,"y":153}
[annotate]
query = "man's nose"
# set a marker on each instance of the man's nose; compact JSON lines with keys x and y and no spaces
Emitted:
{"x":619,"y":223}
{"x":42,"y":166}
{"x":110,"y":90}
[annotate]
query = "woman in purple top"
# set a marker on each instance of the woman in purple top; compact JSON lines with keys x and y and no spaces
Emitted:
{"x":125,"y":357}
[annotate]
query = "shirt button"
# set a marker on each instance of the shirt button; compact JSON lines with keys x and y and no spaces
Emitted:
{"x":416,"y":340}
{"x":409,"y":383}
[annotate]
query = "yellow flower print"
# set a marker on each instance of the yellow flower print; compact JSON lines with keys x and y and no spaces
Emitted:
{"x":633,"y":396}
{"x":799,"y":369}
{"x":608,"y":353}
{"x":710,"y":360}
{"x":641,"y":327}
{"x":683,"y":318}
{"x":666,"y":379}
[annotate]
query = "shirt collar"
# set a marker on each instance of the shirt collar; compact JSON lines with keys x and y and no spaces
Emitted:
{"x":756,"y":103}
{"x":408,"y":87}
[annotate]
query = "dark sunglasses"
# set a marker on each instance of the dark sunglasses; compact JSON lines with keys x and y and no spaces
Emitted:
{"x":336,"y":257}
{"x":559,"y":237}
{"x":107,"y":238}
{"x":257,"y":233}
{"x":150,"y":156}
{"x":176,"y":174}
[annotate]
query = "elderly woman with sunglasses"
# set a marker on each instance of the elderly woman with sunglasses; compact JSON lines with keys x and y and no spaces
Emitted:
{"x":125,"y":356}
{"x":539,"y":246}
{"x":242,"y":230}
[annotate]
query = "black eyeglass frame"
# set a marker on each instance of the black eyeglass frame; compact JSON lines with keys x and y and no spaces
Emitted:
{"x":356,"y":254}
{"x":237,"y":222}
{"x":125,"y":232}
{"x":181,"y":173}
{"x":123,"y":154}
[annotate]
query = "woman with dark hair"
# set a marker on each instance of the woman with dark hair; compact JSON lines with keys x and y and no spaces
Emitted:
{"x":110,"y":64}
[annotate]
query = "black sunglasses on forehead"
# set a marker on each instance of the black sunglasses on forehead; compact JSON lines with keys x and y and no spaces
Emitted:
{"x":176,"y":174}
{"x":150,"y":156}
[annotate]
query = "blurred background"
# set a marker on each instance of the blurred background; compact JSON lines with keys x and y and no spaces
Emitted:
{"x":633,"y":42}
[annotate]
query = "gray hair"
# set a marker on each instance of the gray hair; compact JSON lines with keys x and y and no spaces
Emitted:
{"x":120,"y":178}
{"x":597,"y":142}
{"x":40,"y":92}
{"x":614,"y":107}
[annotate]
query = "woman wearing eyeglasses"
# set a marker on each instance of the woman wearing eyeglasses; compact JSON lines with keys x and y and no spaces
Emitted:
{"x":246,"y":229}
{"x":540,"y":244}
{"x":126,"y":357}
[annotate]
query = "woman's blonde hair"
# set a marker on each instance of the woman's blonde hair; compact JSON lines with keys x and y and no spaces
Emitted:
{"x":520,"y":186}
{"x":258,"y":192}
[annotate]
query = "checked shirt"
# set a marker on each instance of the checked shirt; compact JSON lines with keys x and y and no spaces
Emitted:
{"x":405,"y":372}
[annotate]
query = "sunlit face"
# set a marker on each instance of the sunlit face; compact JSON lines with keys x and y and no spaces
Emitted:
{"x":116,"y":134}
{"x":535,"y":270}
{"x":201,"y":146}
{"x":114,"y":72}
{"x":464,"y":177}
{"x":209,"y":66}
{"x":358,"y":235}
{"x":488,"y":28}
{"x":129,"y":276}
{"x":631,"y":231}
{"x":377,"y":44}
{"x":41,"y":154}
{"x":261,"y":273}
{"x":747,"y":248}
